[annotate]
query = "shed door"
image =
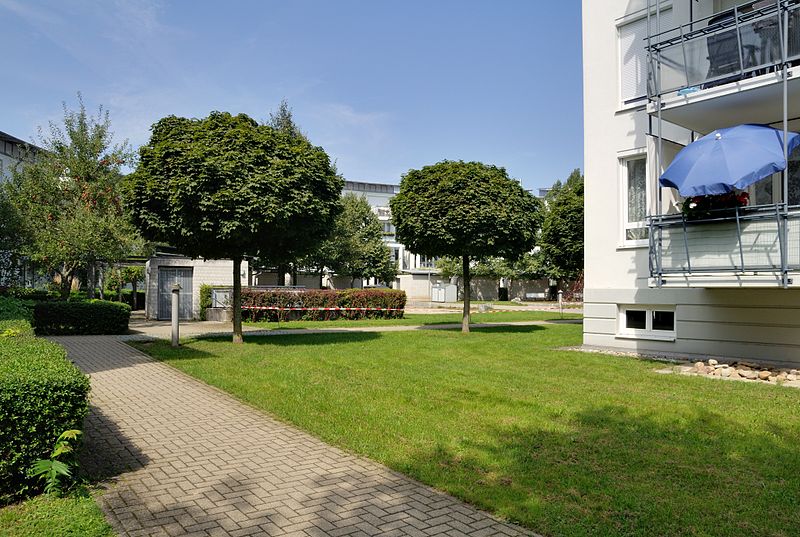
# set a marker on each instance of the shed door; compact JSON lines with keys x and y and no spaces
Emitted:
{"x":167,"y":277}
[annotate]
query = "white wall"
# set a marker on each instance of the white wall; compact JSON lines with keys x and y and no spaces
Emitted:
{"x":210,"y":272}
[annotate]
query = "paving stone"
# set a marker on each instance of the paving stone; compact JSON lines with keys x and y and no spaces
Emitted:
{"x":187,"y":459}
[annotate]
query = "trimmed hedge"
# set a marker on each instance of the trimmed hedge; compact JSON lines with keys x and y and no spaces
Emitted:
{"x":346,"y":298}
{"x":26,"y":293}
{"x":90,"y":317}
{"x":41,"y":395}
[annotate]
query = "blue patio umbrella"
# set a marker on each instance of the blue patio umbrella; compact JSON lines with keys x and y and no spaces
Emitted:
{"x":728,"y":159}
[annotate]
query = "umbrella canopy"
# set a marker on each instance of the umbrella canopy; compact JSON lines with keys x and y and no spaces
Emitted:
{"x":728,"y":159}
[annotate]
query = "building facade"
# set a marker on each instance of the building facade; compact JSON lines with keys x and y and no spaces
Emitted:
{"x":656,"y":78}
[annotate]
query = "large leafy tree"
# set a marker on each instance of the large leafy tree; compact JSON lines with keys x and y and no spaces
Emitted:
{"x":225,"y":187}
{"x":561,"y":241}
{"x":468,"y":210}
{"x":12,"y":240}
{"x":68,"y":195}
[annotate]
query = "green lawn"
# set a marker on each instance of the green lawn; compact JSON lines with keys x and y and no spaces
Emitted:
{"x":422,"y":319}
{"x":566,"y":443}
{"x":47,"y":516}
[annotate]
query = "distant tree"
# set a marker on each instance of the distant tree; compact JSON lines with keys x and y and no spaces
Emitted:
{"x":225,"y":187}
{"x":561,"y":240}
{"x":283,"y":120}
{"x":468,"y":210}
{"x":355,"y":247}
{"x":12,"y":240}
{"x":68,"y":197}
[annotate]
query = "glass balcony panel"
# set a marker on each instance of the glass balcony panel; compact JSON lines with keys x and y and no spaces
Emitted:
{"x":722,"y":49}
{"x":714,"y":246}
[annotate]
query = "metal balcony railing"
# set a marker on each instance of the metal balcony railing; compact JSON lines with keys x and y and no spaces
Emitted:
{"x":763,"y":238}
{"x":737,"y":44}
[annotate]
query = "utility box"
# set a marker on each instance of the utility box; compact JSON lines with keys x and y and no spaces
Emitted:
{"x":444,"y":292}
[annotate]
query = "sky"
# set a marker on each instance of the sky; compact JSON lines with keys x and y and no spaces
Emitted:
{"x":383,"y":86}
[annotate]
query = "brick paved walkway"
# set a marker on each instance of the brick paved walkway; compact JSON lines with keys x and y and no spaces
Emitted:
{"x":186,"y":459}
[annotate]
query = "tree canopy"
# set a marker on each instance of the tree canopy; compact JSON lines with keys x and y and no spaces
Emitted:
{"x":226,"y":187}
{"x":67,"y":196}
{"x":468,"y":210}
{"x":561,"y":239}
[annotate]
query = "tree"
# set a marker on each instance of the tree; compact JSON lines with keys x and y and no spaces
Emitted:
{"x":283,"y":120}
{"x":465,"y":209}
{"x":561,"y":239}
{"x":12,"y":240}
{"x":68,"y":197}
{"x":355,"y":246}
{"x":225,"y":187}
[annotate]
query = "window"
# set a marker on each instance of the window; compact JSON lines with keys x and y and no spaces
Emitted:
{"x":632,"y":38}
{"x":427,"y":262}
{"x":646,"y":322}
{"x":635,"y":198}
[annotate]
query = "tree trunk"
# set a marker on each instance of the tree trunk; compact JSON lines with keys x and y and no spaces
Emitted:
{"x":90,"y":280}
{"x":134,"y":298}
{"x":102,"y":284}
{"x":467,"y":292}
{"x":280,"y":280}
{"x":320,"y":279}
{"x":237,"y":300}
{"x":294,"y":276}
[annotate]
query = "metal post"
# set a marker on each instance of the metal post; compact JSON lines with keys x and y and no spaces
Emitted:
{"x":738,"y":40}
{"x":739,"y":234}
{"x":686,"y":244}
{"x":176,"y":299}
{"x":785,"y":193}
{"x":561,"y":302}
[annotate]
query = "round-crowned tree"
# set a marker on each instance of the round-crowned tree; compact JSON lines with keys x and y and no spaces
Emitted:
{"x":226,"y":187}
{"x":468,"y":210}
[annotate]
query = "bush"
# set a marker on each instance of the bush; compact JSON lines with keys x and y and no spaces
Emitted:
{"x":41,"y":395}
{"x":26,"y":293}
{"x":346,"y":298}
{"x":205,"y":300}
{"x":81,"y":317}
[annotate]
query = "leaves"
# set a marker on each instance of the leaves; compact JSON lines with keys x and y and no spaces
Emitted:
{"x":561,"y":254}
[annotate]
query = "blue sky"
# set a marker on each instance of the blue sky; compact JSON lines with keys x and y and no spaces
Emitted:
{"x":382,"y":86}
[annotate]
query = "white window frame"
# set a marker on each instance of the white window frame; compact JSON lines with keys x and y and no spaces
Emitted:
{"x":624,"y":158}
{"x":623,"y":332}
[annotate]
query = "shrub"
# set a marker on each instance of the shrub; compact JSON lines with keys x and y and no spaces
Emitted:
{"x":81,"y":317}
{"x":15,"y":316}
{"x":205,"y":300}
{"x":387,"y":299}
{"x":26,"y":293}
{"x":41,"y":395}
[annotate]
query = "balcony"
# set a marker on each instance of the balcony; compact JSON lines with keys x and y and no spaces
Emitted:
{"x":746,"y":247}
{"x":726,"y":69}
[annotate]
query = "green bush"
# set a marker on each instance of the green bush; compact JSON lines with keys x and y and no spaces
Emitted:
{"x":41,"y":395}
{"x":26,"y":293}
{"x":205,"y":300}
{"x":386,"y":299}
{"x":81,"y":317}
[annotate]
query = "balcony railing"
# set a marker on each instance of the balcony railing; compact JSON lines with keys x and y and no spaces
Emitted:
{"x":747,"y":240}
{"x":737,"y":44}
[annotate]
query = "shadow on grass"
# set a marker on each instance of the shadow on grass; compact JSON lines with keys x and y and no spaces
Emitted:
{"x":611,"y":472}
{"x":496,"y":329}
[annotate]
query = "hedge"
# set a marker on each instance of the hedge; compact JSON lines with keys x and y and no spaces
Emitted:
{"x":92,"y":317}
{"x":386,"y":299}
{"x":41,"y":395}
{"x":27,"y":293}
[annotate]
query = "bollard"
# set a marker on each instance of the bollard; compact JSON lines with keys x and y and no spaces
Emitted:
{"x":561,"y":303}
{"x":176,"y":300}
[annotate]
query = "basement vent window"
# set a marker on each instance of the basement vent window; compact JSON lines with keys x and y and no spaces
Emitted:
{"x":646,"y":322}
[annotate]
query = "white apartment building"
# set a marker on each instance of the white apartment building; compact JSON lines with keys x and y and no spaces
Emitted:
{"x":656,"y":78}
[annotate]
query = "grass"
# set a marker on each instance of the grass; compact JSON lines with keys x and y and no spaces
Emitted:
{"x":49,"y":516}
{"x":420,"y":319}
{"x":565,"y":443}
